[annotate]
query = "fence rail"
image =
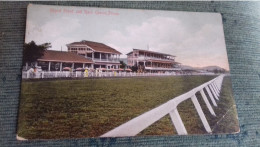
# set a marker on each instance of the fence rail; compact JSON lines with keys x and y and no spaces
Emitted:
{"x":136,"y":125}
{"x":81,"y":74}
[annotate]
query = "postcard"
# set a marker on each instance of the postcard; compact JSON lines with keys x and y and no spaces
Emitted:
{"x":107,"y":72}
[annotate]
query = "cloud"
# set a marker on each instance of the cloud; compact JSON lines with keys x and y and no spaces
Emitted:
{"x":58,"y":32}
{"x":153,"y":32}
{"x":196,"y":46}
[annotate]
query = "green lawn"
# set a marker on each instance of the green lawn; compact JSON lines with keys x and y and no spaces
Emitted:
{"x":225,"y":121}
{"x":91,"y":107}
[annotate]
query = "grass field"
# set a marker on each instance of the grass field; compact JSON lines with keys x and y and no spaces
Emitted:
{"x":91,"y":107}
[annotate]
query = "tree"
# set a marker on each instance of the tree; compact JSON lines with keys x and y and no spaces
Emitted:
{"x":32,"y":51}
{"x":134,"y":68}
{"x":122,"y":65}
{"x":215,"y":71}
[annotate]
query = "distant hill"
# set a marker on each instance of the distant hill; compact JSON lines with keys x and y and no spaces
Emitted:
{"x":206,"y":68}
{"x":186,"y":67}
{"x":212,"y":68}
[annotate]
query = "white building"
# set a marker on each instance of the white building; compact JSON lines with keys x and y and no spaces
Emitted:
{"x":150,"y":61}
{"x":100,"y":54}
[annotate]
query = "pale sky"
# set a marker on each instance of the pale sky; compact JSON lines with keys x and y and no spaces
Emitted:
{"x":196,"y":39}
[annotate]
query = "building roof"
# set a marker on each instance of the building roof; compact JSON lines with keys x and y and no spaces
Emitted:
{"x":151,"y":52}
{"x":99,"y":47}
{"x":59,"y":56}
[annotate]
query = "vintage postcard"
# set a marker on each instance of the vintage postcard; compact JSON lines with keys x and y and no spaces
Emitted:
{"x":103,"y":72}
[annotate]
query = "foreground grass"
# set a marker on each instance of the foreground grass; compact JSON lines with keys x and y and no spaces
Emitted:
{"x":91,"y":107}
{"x":225,"y":121}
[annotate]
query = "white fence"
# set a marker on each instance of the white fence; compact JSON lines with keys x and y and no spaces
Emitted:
{"x":81,"y":74}
{"x":136,"y":125}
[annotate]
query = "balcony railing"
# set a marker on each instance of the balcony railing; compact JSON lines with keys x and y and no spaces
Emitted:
{"x":153,"y":58}
{"x":161,"y":68}
{"x":106,"y":60}
{"x":103,"y":60}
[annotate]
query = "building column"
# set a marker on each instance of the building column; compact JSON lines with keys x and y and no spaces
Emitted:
{"x":100,"y":66}
{"x":49,"y":67}
{"x":107,"y":56}
{"x":61,"y":66}
{"x":83,"y":65}
{"x":72,"y":66}
{"x":92,"y":55}
{"x":100,"y":56}
{"x":151,"y":64}
{"x":144,"y":64}
{"x":92,"y":66}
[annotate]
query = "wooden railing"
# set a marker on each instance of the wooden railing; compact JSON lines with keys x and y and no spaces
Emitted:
{"x":136,"y":125}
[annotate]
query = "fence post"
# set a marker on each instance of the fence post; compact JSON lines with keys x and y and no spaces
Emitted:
{"x":214,"y":93}
{"x":211,"y":96}
{"x":215,"y":89}
{"x":219,"y":81}
{"x":207,"y":102}
{"x":27,"y":74}
{"x":201,"y":114}
{"x":177,"y":122}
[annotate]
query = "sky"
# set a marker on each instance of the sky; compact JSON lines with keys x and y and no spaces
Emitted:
{"x":195,"y":38}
